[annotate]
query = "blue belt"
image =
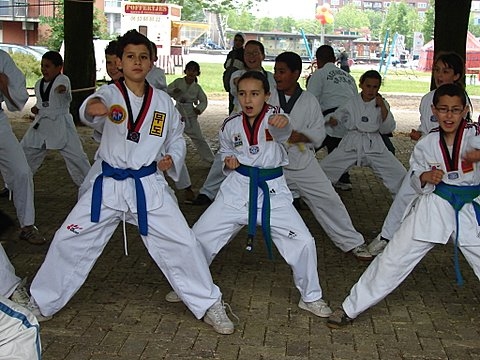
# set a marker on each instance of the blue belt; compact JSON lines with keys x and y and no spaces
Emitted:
{"x":258,"y":179}
{"x":122,"y":174}
{"x":457,"y":196}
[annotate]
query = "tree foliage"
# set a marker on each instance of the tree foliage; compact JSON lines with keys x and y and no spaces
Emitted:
{"x":402,"y":19}
{"x":349,"y":18}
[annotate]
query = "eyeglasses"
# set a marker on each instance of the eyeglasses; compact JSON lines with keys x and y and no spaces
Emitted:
{"x":445,"y":110}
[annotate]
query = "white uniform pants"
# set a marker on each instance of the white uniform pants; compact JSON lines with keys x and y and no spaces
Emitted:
{"x":219,"y":224}
{"x":75,"y":158}
{"x":79,"y":242}
{"x":183,"y":179}
{"x":214,"y":178}
{"x":385,"y":165}
{"x":19,"y":333}
{"x":16,"y":173}
{"x":318,"y":193}
{"x":194,"y":132}
{"x":399,"y":205}
{"x":8,"y":280}
{"x":388,"y":270}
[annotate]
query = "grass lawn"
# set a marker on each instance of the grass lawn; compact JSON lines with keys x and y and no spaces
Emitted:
{"x":397,"y":80}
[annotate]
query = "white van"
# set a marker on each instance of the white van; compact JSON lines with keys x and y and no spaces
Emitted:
{"x":100,"y":63}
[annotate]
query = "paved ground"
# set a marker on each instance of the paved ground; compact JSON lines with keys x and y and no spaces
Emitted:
{"x":120,"y":312}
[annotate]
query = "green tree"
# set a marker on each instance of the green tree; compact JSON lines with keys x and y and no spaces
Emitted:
{"x":472,"y":27}
{"x":376,"y":19}
{"x":349,"y":18}
{"x":429,"y":22}
{"x":402,"y":19}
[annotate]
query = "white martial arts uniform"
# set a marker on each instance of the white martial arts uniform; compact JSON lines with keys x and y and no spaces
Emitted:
{"x":54,"y":129}
{"x":407,"y":193}
{"x":171,"y":243}
{"x":222,"y":220}
{"x":429,"y":221}
{"x":13,"y":164}
{"x":216,"y":176}
{"x":19,"y":332}
{"x":363,"y":144}
{"x":332,"y":87}
{"x":156,"y":77}
{"x":305,"y":176}
{"x":189,"y":98}
{"x":9,"y":281}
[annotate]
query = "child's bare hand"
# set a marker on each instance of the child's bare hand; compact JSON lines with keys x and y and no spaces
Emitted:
{"x":297,"y":137}
{"x":165,"y":163}
{"x":472,"y":156}
{"x":95,"y":107}
{"x":231,"y":162}
{"x":278,"y":120}
{"x":198,"y":112}
{"x":61,"y":89}
{"x":332,"y":122}
{"x":432,"y":177}
{"x":3,"y":82}
{"x":34,"y":109}
{"x":415,"y":134}
{"x":379,"y":101}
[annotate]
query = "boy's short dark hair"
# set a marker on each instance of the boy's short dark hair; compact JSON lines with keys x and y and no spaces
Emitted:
{"x":452,"y":61}
{"x":257,"y":75}
{"x":54,"y":57}
{"x":325,"y":54}
{"x":256,"y":43}
{"x":449,"y":90}
{"x":193,"y":65}
{"x":135,"y":38}
{"x":293,"y":61}
{"x":371,"y":74}
{"x":111,"y":48}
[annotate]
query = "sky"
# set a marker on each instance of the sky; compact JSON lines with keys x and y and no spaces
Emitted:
{"x":301,"y":9}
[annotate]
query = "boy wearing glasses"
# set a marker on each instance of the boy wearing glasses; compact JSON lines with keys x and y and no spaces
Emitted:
{"x":446,"y":177}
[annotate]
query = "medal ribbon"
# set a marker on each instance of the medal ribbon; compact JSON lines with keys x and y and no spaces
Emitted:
{"x":147,"y":98}
{"x":451,"y":162}
{"x":252,"y":130}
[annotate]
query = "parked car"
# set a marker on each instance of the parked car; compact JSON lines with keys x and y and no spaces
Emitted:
{"x":41,"y":49}
{"x":15,"y":48}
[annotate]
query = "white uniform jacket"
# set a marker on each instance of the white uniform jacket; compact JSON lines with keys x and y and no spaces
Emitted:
{"x":191,"y":96}
{"x":332,"y":87}
{"x":435,"y":217}
{"x":53,"y":121}
{"x":363,"y":121}
{"x":16,"y":85}
{"x":161,"y":133}
{"x":259,"y":148}
{"x":156,"y":78}
{"x":306,"y":118}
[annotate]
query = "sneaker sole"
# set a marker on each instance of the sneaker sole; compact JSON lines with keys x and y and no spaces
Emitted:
{"x":304,"y":307}
{"x":220,"y":331}
{"x":334,"y":325}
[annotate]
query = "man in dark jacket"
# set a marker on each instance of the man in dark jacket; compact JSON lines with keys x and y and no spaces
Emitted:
{"x":233,"y":63}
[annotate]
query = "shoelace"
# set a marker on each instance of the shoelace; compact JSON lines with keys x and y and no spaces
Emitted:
{"x":227,"y":306}
{"x":20,"y":294}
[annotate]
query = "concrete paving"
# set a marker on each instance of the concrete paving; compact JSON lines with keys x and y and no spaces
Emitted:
{"x":120,"y":312}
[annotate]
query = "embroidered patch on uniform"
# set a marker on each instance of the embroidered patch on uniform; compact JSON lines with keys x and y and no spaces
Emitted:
{"x":268,"y":136}
{"x":254,"y":149}
{"x":74,"y":228}
{"x":433,"y":118}
{"x":453,"y":175}
{"x":117,"y":114}
{"x":364,"y":119}
{"x":467,"y":167}
{"x":237,"y":140}
{"x":291,"y":234}
{"x":272,"y":191}
{"x":158,"y":122}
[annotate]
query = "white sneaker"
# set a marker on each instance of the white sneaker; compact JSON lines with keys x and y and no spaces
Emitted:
{"x":361,"y":253}
{"x":172,"y":297}
{"x":217,"y":317}
{"x":377,"y":245}
{"x":34,"y":309}
{"x":20,"y":295}
{"x":318,"y":307}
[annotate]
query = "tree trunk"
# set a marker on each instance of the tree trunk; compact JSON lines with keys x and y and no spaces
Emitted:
{"x":79,"y":53}
{"x":451,"y":26}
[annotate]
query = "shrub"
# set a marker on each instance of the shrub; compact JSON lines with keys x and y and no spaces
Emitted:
{"x":29,"y":66}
